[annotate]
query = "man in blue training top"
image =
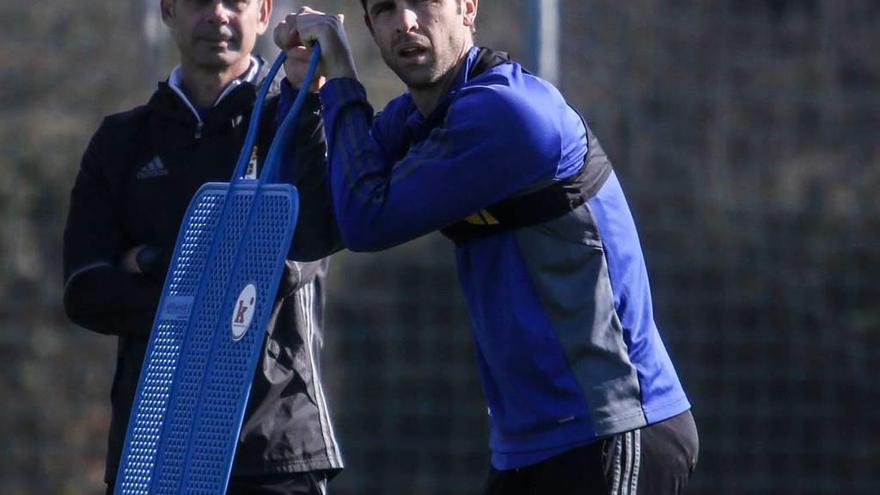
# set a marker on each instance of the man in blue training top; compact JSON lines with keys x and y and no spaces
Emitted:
{"x":582,"y":395}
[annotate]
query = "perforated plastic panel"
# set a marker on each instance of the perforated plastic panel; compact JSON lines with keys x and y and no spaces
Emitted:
{"x":205,"y":341}
{"x":209,"y":329}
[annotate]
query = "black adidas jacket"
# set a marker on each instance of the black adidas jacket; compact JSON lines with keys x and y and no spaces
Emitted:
{"x":136,"y":179}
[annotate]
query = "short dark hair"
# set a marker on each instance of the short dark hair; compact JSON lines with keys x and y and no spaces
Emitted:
{"x":364,"y":5}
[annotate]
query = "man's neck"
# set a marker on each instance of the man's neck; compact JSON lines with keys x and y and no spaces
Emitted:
{"x":203,"y":86}
{"x":426,"y":98}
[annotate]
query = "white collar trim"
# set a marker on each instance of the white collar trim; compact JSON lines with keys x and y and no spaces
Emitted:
{"x":176,"y":84}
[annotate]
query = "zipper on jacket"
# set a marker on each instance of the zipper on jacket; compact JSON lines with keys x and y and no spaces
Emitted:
{"x":174,"y":85}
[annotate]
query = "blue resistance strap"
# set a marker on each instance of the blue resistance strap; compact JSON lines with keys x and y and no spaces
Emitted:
{"x":210,"y":326}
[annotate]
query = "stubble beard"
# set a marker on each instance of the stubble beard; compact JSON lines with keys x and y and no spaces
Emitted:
{"x":435,"y":72}
{"x":230,"y":57}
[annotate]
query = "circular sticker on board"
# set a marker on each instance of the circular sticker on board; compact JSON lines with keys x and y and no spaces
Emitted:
{"x":243,"y":311}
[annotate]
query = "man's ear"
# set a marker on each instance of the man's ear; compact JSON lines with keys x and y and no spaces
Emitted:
{"x":265,"y":15}
{"x":167,"y":8}
{"x":469,"y":11}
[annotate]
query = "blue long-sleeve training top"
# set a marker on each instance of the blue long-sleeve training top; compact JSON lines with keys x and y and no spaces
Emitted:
{"x":566,"y":343}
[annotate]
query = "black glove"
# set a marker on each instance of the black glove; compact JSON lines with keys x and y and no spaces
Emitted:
{"x":153,"y":261}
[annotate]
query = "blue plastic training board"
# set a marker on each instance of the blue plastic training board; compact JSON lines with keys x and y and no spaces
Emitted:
{"x":210,"y":326}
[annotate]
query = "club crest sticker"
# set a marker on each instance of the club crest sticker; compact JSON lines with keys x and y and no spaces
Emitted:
{"x":243,"y":311}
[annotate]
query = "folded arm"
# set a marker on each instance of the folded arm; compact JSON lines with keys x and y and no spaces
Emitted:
{"x":98,"y":294}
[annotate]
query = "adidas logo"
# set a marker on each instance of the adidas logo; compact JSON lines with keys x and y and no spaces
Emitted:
{"x":155,"y":168}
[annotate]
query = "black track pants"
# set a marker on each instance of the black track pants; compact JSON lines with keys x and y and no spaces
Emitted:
{"x":654,"y":460}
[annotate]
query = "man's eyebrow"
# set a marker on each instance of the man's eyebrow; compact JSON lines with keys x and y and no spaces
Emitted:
{"x":380,"y":3}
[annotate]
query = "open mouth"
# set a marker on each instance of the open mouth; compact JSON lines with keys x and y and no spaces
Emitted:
{"x":412,"y":51}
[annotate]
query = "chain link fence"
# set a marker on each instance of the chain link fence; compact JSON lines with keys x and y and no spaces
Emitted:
{"x":744,"y":132}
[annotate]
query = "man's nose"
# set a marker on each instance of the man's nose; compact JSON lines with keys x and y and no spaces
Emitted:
{"x":407,"y":21}
{"x":218,"y":12}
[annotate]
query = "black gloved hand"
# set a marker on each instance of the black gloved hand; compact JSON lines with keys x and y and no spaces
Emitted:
{"x":153,"y":261}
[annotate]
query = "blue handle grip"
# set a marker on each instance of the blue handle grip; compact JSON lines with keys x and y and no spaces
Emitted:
{"x":292,"y":116}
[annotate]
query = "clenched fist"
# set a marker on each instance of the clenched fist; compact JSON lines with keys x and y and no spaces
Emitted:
{"x":297,"y":32}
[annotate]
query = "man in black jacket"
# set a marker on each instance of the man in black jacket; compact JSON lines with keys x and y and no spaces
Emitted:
{"x":136,"y":179}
